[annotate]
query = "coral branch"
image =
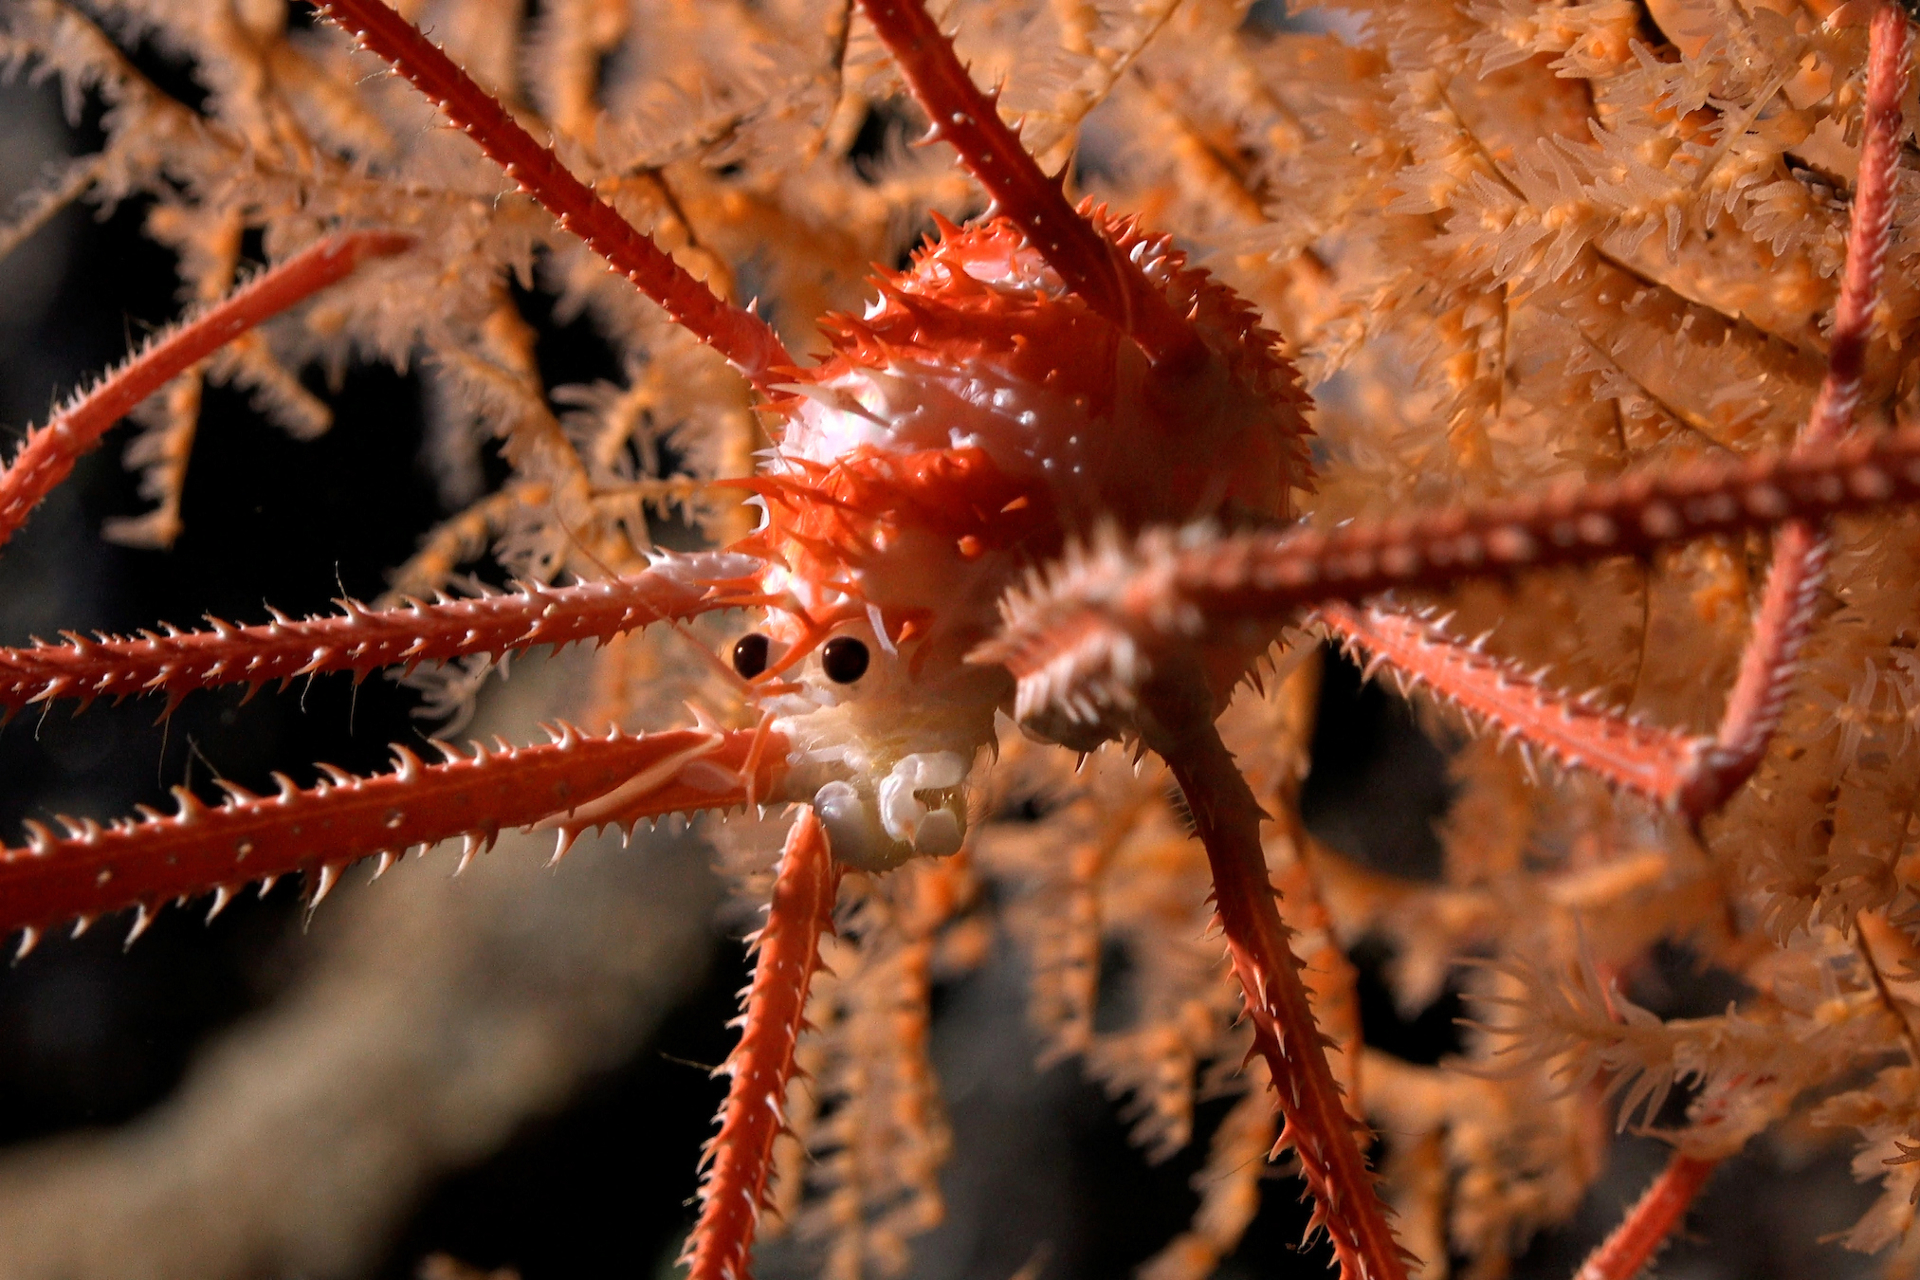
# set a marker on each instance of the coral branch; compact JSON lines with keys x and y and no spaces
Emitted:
{"x":147,"y":862}
{"x":1651,"y":1220}
{"x":740,"y":1155}
{"x":1109,"y":282}
{"x":361,"y":640}
{"x":48,"y":454}
{"x":1322,"y":1134}
{"x":736,"y":333}
{"x":1657,"y":763}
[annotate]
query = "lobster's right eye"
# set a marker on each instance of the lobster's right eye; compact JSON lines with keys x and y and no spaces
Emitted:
{"x":844,"y":659}
{"x":750,"y":654}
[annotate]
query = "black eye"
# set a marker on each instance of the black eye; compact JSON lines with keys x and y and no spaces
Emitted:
{"x":844,"y":659}
{"x":750,"y":654}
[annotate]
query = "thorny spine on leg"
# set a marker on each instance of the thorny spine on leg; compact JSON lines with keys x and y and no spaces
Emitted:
{"x":740,"y":1155}
{"x":47,"y":455}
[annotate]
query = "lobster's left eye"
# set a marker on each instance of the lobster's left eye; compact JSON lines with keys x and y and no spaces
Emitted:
{"x":844,"y":659}
{"x":750,"y":654}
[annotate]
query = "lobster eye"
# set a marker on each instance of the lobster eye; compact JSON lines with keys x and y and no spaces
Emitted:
{"x":844,"y":659}
{"x":750,"y":654}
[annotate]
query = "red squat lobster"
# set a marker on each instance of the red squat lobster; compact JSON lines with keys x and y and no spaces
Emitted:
{"x":1043,"y":381}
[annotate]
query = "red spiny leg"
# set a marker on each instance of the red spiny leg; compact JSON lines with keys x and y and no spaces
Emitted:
{"x":1870,"y":232}
{"x":48,"y":454}
{"x":1109,"y":282}
{"x":1104,"y":610}
{"x":740,"y":1156}
{"x":202,"y":848}
{"x":1691,"y":774}
{"x":361,"y":640}
{"x":1647,"y":760}
{"x":1318,"y":1128}
{"x":736,"y":333}
{"x":1651,"y":1220}
{"x":1076,"y":634}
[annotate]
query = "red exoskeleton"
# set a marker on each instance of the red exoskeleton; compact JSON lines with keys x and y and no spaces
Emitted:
{"x":1045,"y":380}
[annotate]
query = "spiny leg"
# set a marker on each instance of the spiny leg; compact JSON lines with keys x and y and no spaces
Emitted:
{"x":1168,"y":587}
{"x":48,"y":453}
{"x":1494,"y":693}
{"x":1623,"y":1254}
{"x":736,"y":333}
{"x":1077,"y":633}
{"x":1318,"y":1128}
{"x":740,"y":1156}
{"x":362,"y":640}
{"x":1104,"y":277}
{"x":1785,"y":615}
{"x":571,"y":784}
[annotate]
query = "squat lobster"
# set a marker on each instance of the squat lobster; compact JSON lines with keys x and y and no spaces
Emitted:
{"x":1046,"y":379}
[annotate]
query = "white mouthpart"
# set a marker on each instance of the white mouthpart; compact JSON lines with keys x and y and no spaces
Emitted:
{"x":901,"y":812}
{"x":904,"y":824}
